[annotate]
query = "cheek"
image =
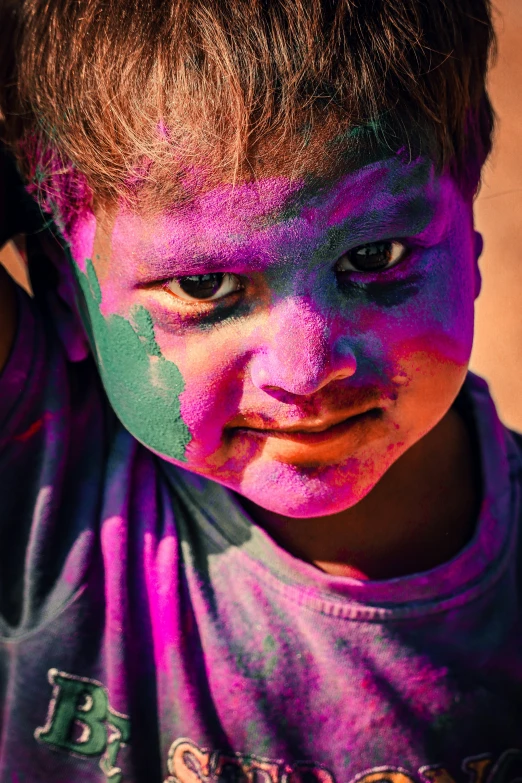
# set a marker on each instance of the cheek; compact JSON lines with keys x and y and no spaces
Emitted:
{"x":143,"y":386}
{"x":421,"y":345}
{"x":428,"y":345}
{"x":212,"y":370}
{"x":443,"y":318}
{"x":82,"y":239}
{"x":436,"y":317}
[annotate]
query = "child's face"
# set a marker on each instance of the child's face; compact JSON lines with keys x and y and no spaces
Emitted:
{"x":291,"y":336}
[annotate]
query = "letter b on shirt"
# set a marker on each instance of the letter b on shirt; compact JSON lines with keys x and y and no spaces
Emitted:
{"x":81,"y":721}
{"x":77,"y":718}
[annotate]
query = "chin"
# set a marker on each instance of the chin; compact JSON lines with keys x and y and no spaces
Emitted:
{"x":294,"y":491}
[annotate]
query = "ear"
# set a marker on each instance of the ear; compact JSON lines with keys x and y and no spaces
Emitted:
{"x":479,"y":247}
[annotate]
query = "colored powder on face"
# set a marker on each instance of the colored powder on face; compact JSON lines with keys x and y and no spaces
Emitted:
{"x":143,"y":387}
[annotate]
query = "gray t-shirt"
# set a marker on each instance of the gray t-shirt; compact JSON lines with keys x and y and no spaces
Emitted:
{"x":150,"y":631}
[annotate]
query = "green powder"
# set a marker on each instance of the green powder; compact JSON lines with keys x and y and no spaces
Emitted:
{"x":142,"y":386}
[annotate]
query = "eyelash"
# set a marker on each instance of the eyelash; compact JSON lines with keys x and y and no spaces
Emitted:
{"x":206,"y":306}
{"x":378,"y":273}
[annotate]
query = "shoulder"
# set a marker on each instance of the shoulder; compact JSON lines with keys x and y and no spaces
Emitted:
{"x":514,"y":439}
{"x":517,"y":437}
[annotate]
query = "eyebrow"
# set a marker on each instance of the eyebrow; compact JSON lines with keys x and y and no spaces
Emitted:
{"x":165,"y":265}
{"x":413,"y":215}
{"x":407,"y":216}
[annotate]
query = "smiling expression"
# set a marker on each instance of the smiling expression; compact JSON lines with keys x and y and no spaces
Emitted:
{"x":253,"y":387}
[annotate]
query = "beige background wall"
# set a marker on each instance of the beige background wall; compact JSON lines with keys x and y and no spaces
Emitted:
{"x":497,"y":353}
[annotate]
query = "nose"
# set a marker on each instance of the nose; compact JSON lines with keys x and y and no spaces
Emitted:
{"x":301,"y":352}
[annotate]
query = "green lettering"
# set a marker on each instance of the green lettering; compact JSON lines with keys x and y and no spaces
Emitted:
{"x":120,"y":736}
{"x":77,"y":703}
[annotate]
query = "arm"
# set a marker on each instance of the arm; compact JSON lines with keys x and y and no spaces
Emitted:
{"x":7,"y":315}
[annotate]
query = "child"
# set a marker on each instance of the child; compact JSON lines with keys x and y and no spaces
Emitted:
{"x":259,"y":522}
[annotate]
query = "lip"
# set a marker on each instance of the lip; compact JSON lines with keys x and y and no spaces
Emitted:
{"x":316,"y":434}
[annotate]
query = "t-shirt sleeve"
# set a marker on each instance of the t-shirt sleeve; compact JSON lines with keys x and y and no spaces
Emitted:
{"x":18,"y":390}
{"x":53,"y":440}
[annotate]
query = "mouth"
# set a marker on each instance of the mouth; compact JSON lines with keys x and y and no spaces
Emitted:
{"x":315,"y":434}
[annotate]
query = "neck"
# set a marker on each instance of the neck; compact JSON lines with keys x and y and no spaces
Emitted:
{"x":420,"y":514}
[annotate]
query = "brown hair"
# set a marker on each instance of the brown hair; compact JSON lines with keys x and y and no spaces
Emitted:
{"x":102,"y":100}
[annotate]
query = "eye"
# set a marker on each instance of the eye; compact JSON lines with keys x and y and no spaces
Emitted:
{"x":203,"y":288}
{"x":373,"y":257}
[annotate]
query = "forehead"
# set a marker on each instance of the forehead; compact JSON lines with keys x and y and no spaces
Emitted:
{"x":398,"y":196}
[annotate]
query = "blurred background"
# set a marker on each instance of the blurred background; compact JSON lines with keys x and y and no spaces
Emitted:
{"x":497,"y":352}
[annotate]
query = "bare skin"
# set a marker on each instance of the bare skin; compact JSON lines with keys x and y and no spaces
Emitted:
{"x":420,"y":514}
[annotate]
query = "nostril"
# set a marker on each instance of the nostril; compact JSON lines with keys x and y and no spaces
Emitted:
{"x":281,"y":395}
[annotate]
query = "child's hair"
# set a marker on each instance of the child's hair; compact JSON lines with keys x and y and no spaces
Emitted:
{"x":137,"y":99}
